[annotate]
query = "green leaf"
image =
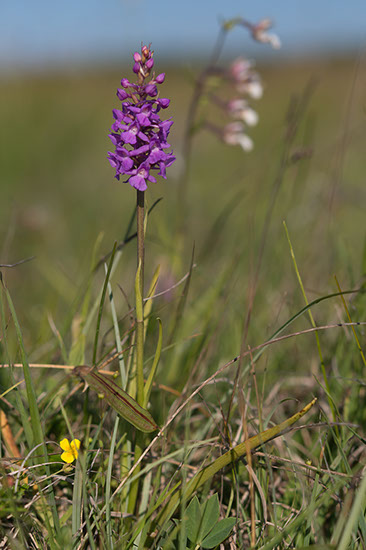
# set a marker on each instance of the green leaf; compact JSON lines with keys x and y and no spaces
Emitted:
{"x":210,"y":515}
{"x":182,"y":302}
{"x":77,"y":353}
{"x":219,"y":533}
{"x":193,"y":520}
{"x":149,"y":303}
{"x":227,"y":458}
{"x":201,"y":518}
{"x":102,"y":299}
{"x":149,"y":381}
{"x":77,"y":498}
{"x":117,"y":398}
{"x":38,"y":437}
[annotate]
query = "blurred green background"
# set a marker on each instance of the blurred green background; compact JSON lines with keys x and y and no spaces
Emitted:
{"x":59,"y":194}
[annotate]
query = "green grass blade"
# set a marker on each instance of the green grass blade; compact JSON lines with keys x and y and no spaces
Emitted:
{"x":350,"y":320}
{"x":358,"y":510}
{"x":230,"y":456}
{"x":148,"y":302}
{"x":108,"y":517}
{"x":313,"y":324}
{"x":143,"y":508}
{"x":182,"y":302}
{"x":77,"y":497}
{"x":27,"y":427}
{"x":38,"y":438}
{"x":301,"y":312}
{"x":101,"y":304}
{"x":293,"y":525}
{"x":117,"y":336}
{"x":31,"y":395}
{"x":152,"y":373}
{"x":77,"y":353}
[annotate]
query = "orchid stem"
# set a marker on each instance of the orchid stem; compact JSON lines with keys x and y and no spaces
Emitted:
{"x":139,"y":292}
{"x":139,"y":310}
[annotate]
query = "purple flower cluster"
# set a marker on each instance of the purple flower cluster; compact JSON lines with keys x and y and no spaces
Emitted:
{"x":138,"y":133}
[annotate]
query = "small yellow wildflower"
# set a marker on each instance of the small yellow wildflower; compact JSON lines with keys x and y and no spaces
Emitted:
{"x":71,"y":450}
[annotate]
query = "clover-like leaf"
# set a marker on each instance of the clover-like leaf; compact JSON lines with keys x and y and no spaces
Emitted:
{"x":219,"y":533}
{"x":210,"y":511}
{"x":193,"y":519}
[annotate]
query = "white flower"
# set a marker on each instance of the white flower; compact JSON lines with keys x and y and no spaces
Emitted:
{"x":247,"y":81}
{"x":259,"y":33}
{"x":240,"y":69}
{"x":234,"y":135}
{"x":249,"y":116}
{"x":252,"y":87}
{"x":239,"y":108}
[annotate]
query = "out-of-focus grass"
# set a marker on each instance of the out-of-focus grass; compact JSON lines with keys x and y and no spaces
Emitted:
{"x":58,"y":194}
{"x":58,"y":190}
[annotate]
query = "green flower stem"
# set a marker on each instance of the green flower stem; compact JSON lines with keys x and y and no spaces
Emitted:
{"x":139,"y":292}
{"x":139,"y":296}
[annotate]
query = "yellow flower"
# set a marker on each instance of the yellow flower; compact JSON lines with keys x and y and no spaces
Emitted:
{"x":71,"y":450}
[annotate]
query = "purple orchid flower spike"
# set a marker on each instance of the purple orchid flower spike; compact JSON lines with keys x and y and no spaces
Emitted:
{"x":138,"y":133}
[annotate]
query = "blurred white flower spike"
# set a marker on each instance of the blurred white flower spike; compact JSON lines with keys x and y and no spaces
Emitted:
{"x":246,"y":83}
{"x":239,"y":81}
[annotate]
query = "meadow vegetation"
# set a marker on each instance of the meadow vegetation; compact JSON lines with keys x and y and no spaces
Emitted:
{"x":247,"y":280}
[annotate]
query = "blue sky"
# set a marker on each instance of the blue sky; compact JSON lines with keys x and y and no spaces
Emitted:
{"x":49,"y":32}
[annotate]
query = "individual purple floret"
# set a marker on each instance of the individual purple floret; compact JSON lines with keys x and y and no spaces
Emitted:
{"x":138,"y":133}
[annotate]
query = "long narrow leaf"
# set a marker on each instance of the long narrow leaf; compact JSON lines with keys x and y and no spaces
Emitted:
{"x":108,"y":516}
{"x":117,"y":335}
{"x":31,"y":394}
{"x":230,"y":456}
{"x":151,"y":377}
{"x":148,"y":302}
{"x":77,"y":353}
{"x":182,"y":301}
{"x":301,"y":312}
{"x":38,"y":438}
{"x":105,"y":286}
{"x":117,"y":398}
